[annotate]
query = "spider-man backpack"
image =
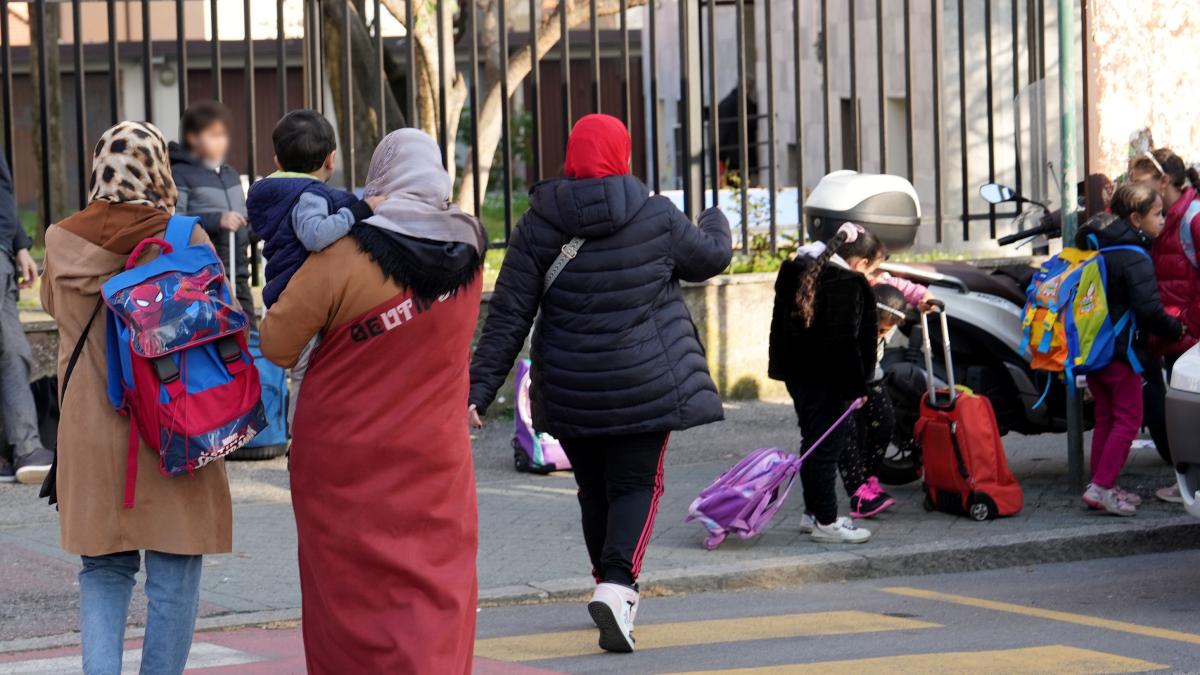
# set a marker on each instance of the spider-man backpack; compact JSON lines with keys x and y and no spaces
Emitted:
{"x":178,"y":365}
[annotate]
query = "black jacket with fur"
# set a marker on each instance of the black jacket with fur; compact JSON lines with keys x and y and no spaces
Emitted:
{"x":837,"y":352}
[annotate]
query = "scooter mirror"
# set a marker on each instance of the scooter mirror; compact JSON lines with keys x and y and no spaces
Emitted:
{"x":995,"y":193}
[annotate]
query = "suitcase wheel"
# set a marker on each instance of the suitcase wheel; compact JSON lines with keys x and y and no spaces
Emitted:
{"x":928,"y":503}
{"x":520,"y":459}
{"x":981,"y":509}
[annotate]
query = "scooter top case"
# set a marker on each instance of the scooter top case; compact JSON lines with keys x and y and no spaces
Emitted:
{"x":885,"y":204}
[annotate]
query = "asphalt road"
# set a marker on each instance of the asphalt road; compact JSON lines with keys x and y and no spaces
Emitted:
{"x":1131,"y":614}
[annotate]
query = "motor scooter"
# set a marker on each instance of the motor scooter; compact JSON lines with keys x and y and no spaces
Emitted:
{"x":985,"y":307}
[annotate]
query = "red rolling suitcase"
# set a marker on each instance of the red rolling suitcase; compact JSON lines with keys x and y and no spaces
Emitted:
{"x":966,"y":471}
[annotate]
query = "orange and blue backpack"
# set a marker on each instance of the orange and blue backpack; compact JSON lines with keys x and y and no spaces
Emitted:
{"x":1068,"y":328}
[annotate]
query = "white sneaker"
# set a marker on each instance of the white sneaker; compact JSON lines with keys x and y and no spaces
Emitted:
{"x":1108,"y":500}
{"x":613,"y":608}
{"x":807,"y":523}
{"x":840,"y":531}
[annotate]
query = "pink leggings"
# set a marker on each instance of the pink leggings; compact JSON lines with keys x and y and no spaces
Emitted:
{"x":1118,"y":393}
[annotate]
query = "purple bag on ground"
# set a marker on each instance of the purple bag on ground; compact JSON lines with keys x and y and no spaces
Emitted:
{"x":533,"y":451}
{"x":744,"y":499}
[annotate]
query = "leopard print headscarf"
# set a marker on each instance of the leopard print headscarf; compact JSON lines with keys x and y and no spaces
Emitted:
{"x":130,"y":166}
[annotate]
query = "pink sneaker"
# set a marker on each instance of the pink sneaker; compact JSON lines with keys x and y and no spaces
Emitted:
{"x":870,"y":500}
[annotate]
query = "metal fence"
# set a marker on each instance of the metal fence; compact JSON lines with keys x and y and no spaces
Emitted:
{"x":800,"y":104}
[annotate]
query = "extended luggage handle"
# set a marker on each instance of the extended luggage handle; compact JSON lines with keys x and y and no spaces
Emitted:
{"x":939,"y":308}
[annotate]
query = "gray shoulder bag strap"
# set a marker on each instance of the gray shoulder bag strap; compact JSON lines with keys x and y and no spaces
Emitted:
{"x":569,"y":251}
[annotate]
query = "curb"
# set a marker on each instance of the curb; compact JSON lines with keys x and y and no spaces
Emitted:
{"x":1013,"y":550}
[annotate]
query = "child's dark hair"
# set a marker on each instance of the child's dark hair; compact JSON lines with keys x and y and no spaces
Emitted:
{"x":302,"y":140}
{"x":201,"y":115}
{"x":890,"y":303}
{"x":1133,"y":198}
{"x":866,"y":245}
{"x":1165,"y":161}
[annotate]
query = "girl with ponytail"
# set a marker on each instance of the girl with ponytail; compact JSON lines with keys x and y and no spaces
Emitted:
{"x":822,"y":346}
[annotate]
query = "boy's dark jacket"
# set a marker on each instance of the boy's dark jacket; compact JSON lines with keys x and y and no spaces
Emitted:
{"x":1131,"y":284}
{"x":270,"y":204}
{"x":12,"y":234}
{"x":837,"y":352}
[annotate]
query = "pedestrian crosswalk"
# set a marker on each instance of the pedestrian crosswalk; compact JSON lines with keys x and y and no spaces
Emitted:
{"x":685,"y":633}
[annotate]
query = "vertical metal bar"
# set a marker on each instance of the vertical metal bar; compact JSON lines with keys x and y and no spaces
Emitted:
{"x":991,"y":114}
{"x":181,"y":55}
{"x":692,"y":123}
{"x":825,"y":84}
{"x":82,"y":165}
{"x":654,"y":140}
{"x":380,"y":73}
{"x":908,"y":120}
{"x":251,"y":106}
{"x":281,"y":67}
{"x":854,"y":117}
{"x":1066,"y":145}
{"x":701,"y":46}
{"x":535,"y":92}
{"x":43,"y":74}
{"x":1016,"y":90}
{"x":798,"y":86}
{"x":626,"y":100}
{"x":319,"y":55}
{"x":714,"y":116}
{"x":505,"y":130}
{"x":347,"y":140}
{"x":594,"y":25}
{"x":114,"y":97}
{"x":882,"y":81}
{"x":473,"y":73}
{"x":564,"y":28}
{"x":216,"y":49}
{"x":445,"y":137}
{"x":962,"y":114}
{"x":410,"y":57}
{"x":772,"y":178}
{"x":6,"y":86}
{"x":743,"y":124}
{"x":147,"y":64}
{"x":935,"y":50}
{"x":1089,"y":208}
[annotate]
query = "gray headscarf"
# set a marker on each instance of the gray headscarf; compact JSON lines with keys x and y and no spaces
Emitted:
{"x":407,"y":168}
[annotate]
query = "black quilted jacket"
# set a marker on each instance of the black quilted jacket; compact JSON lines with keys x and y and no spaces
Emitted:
{"x":615,"y":350}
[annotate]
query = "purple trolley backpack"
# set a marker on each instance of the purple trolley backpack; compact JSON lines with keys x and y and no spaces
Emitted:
{"x":533,"y":452}
{"x":744,"y":499}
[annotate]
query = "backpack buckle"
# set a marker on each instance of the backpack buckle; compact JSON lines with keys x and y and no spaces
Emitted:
{"x":229,"y":350}
{"x":570,"y":251}
{"x":166,"y":369}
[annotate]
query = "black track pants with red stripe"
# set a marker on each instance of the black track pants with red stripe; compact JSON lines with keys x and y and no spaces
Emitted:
{"x":620,"y":482}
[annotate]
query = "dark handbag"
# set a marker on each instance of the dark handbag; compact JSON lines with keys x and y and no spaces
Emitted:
{"x":49,"y":489}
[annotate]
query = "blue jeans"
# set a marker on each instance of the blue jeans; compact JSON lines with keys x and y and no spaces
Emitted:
{"x":105,"y":588}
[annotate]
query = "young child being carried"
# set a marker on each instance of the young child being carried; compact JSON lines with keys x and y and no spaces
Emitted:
{"x":292,"y":210}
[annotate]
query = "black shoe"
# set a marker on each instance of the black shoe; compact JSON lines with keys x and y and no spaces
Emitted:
{"x":33,"y":468}
{"x":8,"y":472}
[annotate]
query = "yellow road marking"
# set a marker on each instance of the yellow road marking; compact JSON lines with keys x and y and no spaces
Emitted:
{"x":685,"y":633}
{"x":1052,"y":614}
{"x":1049,"y":659}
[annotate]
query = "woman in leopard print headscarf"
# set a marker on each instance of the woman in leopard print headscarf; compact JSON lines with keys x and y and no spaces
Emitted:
{"x":174,"y":522}
{"x":130,"y":166}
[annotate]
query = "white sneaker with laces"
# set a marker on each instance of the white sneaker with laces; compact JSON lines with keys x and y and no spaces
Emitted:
{"x":1108,"y":500}
{"x":613,"y":608}
{"x":840,"y":531}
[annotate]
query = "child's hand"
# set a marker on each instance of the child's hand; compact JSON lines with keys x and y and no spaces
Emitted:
{"x":928,"y":303}
{"x":374,"y":201}
{"x":473,"y":417}
{"x":232,"y":221}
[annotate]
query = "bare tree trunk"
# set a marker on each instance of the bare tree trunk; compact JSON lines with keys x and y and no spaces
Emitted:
{"x":58,"y":173}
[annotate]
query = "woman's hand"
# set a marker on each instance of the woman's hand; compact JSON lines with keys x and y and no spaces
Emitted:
{"x":375,"y":200}
{"x":473,"y":418}
{"x":26,"y":268}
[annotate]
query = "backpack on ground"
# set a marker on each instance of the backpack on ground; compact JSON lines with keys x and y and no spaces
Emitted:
{"x":533,"y":451}
{"x":966,"y":470}
{"x":745,"y":498}
{"x":178,"y":364}
{"x":1068,"y":328}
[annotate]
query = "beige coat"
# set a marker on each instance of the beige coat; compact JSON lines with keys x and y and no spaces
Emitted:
{"x":184,"y":515}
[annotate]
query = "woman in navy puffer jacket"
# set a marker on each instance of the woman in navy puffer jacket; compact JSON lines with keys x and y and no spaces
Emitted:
{"x":617,"y":362}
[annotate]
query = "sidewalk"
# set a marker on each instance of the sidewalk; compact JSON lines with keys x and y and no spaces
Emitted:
{"x":531,"y":548}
